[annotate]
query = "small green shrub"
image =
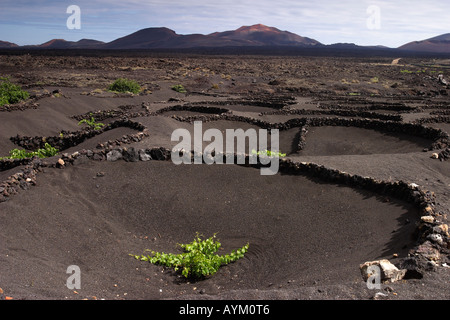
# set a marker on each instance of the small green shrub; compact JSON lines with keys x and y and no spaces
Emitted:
{"x":47,"y":151}
{"x":91,"y":123}
{"x":11,"y":93}
{"x":179,"y":88}
{"x":199,"y":259}
{"x":269,"y":153}
{"x":125,"y":85}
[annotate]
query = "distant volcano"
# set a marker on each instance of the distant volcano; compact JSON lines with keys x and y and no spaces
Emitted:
{"x":256,"y":35}
{"x":261,"y":35}
{"x":6,"y":44}
{"x":437,"y":44}
{"x":64,"y":44}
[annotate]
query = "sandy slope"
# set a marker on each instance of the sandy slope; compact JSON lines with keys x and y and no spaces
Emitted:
{"x":74,"y":217}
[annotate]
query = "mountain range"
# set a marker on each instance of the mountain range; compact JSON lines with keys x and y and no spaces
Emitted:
{"x":439,"y":44}
{"x":6,"y":44}
{"x":247,"y":36}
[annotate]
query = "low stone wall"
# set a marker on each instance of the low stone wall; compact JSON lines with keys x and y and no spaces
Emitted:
{"x":268,"y":101}
{"x":71,"y":139}
{"x":6,"y":164}
{"x":444,"y":154}
{"x":441,"y":112}
{"x":435,"y":119}
{"x":19,"y":106}
{"x":228,"y":117}
{"x":368,"y":106}
{"x":337,"y":112}
{"x":433,"y":105}
{"x":190,"y":107}
{"x":100,"y":115}
{"x":21,"y":180}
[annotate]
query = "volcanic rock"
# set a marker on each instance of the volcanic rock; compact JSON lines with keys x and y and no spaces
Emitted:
{"x":130,"y":155}
{"x":389,"y":272}
{"x":114,"y":155}
{"x":144,"y":156}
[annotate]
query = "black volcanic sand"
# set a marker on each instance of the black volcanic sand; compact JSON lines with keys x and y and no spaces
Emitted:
{"x":307,"y":237}
{"x":329,"y":141}
{"x":161,"y":129}
{"x":318,"y":233}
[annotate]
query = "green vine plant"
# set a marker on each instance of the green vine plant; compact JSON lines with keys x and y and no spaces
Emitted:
{"x":268,"y":153}
{"x":179,"y":88}
{"x":125,"y":85}
{"x":199,"y":259}
{"x":91,"y":123}
{"x":11,"y":93}
{"x":46,"y":152}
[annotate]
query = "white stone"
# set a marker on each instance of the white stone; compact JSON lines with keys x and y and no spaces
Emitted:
{"x":436,"y":238}
{"x":428,"y":219}
{"x":389,"y":272}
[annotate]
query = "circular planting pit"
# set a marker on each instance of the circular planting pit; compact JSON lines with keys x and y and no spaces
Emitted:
{"x":301,"y":231}
{"x":336,"y":136}
{"x":335,"y":140}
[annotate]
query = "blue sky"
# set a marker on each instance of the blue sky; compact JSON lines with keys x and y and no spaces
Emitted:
{"x":328,"y":21}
